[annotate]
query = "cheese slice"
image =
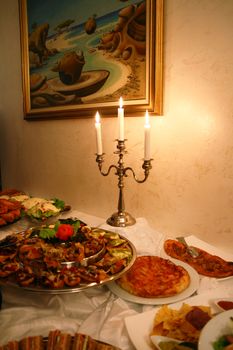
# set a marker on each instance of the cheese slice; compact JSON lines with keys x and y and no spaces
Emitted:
{"x":31,"y":202}
{"x":20,"y":198}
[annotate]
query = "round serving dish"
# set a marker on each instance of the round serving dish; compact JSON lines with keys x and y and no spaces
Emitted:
{"x":120,"y":247}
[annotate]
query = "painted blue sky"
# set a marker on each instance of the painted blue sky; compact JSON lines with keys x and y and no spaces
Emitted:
{"x":57,"y":11}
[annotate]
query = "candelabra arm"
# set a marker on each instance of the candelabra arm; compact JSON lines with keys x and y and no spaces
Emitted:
{"x":100,"y":160}
{"x":108,"y":171}
{"x":146,"y":166}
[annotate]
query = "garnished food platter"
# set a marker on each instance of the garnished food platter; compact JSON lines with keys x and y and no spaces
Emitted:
{"x":67,"y":256}
{"x":16,"y":205}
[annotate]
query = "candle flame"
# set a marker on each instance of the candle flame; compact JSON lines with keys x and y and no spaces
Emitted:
{"x":97,"y":117}
{"x":121,"y":102}
{"x":147,"y":119}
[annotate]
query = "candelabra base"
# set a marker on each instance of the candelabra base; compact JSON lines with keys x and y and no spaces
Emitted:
{"x":121,"y":219}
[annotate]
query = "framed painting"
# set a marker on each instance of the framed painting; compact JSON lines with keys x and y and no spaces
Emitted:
{"x":80,"y":56}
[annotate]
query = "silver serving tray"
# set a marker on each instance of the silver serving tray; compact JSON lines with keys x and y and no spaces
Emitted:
{"x":81,"y":286}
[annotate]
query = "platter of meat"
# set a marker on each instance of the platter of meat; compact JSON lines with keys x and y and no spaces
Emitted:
{"x":67,"y":256}
{"x":10,"y":211}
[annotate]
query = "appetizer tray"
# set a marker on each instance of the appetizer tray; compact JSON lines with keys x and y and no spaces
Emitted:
{"x":66,"y":257}
{"x":16,"y":205}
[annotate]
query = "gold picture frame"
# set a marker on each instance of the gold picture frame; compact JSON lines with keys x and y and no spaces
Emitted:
{"x":73,"y":66}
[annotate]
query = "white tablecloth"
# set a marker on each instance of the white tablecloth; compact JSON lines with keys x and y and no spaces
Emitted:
{"x":96,"y":311}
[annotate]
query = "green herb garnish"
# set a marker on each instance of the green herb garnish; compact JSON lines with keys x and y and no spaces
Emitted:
{"x":58,"y":203}
{"x":47,"y":233}
{"x":220,"y":343}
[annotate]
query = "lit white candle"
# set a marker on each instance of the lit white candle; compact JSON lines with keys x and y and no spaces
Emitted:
{"x":147,"y":137}
{"x":98,"y":134}
{"x":121,"y":120}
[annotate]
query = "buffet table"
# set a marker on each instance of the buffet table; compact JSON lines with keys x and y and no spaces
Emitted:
{"x":96,"y":311}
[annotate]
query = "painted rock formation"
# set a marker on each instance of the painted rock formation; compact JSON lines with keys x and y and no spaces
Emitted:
{"x":129,"y":35}
{"x":70,"y":67}
{"x":90,"y":25}
{"x":38,"y":52}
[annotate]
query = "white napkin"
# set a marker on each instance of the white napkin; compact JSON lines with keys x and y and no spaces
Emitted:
{"x":146,"y":240}
{"x":96,"y":312}
{"x":106,"y":323}
{"x":222,"y":286}
{"x":20,"y":322}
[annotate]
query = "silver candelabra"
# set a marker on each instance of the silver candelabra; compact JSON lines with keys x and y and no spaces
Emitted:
{"x":121,"y":218}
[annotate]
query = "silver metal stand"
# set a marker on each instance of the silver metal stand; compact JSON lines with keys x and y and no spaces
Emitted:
{"x":121,"y":218}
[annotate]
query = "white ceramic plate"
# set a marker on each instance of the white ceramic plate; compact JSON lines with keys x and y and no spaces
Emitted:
{"x":140,"y":326}
{"x":193,"y":286}
{"x":217,"y":326}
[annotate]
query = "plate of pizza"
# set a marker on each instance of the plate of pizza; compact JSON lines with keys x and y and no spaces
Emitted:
{"x":67,"y":256}
{"x":209,"y":261}
{"x":153,"y":280}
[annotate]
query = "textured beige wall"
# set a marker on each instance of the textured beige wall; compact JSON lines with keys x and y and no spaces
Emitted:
{"x":190,"y":188}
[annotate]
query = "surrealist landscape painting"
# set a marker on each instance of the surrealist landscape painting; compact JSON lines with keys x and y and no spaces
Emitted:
{"x":86,"y":52}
